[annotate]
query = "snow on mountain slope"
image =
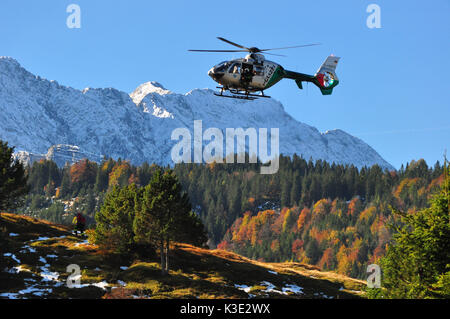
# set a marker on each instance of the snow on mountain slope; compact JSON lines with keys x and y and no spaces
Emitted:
{"x":37,"y":113}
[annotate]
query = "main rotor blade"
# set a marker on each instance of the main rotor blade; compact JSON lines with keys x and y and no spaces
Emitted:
{"x":275,"y":54}
{"x":217,"y":50}
{"x":232,"y":43}
{"x":296,"y":46}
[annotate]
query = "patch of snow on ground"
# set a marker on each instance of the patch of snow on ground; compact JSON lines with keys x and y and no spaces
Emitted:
{"x":29,"y":290}
{"x":124,"y":267}
{"x":12,"y":256}
{"x":39,"y":239}
{"x":243,"y":287}
{"x":20,"y":268}
{"x":29,"y":248}
{"x":48,"y":275}
{"x":84,"y":242}
{"x":35,"y":291}
{"x":323,"y":295}
{"x":13,"y":235}
{"x":271,"y":288}
{"x":293,"y":288}
{"x":102,"y":285}
{"x":9,"y":295}
{"x":273,"y":272}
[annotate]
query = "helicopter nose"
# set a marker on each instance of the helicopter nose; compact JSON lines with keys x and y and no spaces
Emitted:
{"x":214,"y":74}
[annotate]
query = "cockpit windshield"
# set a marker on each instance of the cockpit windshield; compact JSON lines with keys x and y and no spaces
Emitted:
{"x":221,"y":67}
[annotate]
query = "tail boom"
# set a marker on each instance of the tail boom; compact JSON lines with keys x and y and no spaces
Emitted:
{"x":325,"y":78}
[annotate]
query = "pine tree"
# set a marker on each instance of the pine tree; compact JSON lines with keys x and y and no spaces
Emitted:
{"x":13,"y":181}
{"x":417,"y":264}
{"x":66,"y":189}
{"x":286,"y":192}
{"x":165,"y":215}
{"x":296,"y":189}
{"x":114,"y":227}
{"x":90,"y":202}
{"x":144,"y":174}
{"x":101,"y":180}
{"x":312,"y":250}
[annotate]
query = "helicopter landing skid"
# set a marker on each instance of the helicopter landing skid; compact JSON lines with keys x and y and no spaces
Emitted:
{"x":239,"y":95}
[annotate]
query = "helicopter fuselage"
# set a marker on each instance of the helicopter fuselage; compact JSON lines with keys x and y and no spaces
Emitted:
{"x":252,"y":73}
{"x":242,"y":77}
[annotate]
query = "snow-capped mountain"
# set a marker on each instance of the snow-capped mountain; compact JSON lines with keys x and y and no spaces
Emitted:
{"x":60,"y":154}
{"x":36,"y":114}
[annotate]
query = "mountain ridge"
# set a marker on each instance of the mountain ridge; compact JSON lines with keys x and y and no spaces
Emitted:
{"x":38,"y":113}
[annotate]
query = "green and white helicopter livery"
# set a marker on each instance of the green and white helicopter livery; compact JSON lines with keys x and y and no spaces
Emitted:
{"x":242,"y":77}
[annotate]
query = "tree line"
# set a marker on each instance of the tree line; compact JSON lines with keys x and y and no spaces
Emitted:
{"x":221,"y":193}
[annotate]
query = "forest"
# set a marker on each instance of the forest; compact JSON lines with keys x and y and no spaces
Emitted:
{"x":329,"y":215}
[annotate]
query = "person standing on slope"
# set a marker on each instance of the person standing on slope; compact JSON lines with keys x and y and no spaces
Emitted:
{"x":79,"y":222}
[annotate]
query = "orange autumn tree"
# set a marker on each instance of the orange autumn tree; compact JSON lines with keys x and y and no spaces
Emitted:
{"x":82,"y":173}
{"x":297,"y":249}
{"x":328,"y":260}
{"x":303,"y":218}
{"x":290,"y":218}
{"x":354,"y":207}
{"x":120,"y":174}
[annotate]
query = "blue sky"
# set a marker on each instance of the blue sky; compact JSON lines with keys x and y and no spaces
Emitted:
{"x":394,"y":89}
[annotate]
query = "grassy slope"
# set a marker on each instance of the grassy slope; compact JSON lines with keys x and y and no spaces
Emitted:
{"x":195,"y":272}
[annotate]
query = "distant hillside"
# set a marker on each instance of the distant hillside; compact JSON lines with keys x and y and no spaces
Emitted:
{"x":34,"y":256}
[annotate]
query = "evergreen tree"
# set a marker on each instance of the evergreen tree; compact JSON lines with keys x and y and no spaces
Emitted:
{"x":38,"y":202}
{"x":66,"y":189}
{"x":90,"y":202}
{"x":286,"y":192}
{"x":144,"y":174}
{"x":114,"y":228}
{"x":13,"y":181}
{"x":165,"y":215}
{"x":296,"y":189}
{"x":101,"y":180}
{"x":417,"y":264}
{"x":312,"y":251}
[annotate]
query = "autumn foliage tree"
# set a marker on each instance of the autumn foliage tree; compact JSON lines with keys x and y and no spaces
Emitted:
{"x":120,"y":175}
{"x":83,"y":173}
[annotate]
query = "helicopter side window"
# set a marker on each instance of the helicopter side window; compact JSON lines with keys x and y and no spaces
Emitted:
{"x":235,"y":68}
{"x":259,"y":70}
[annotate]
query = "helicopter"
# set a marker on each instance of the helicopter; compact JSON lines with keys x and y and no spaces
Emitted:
{"x":245,"y":76}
